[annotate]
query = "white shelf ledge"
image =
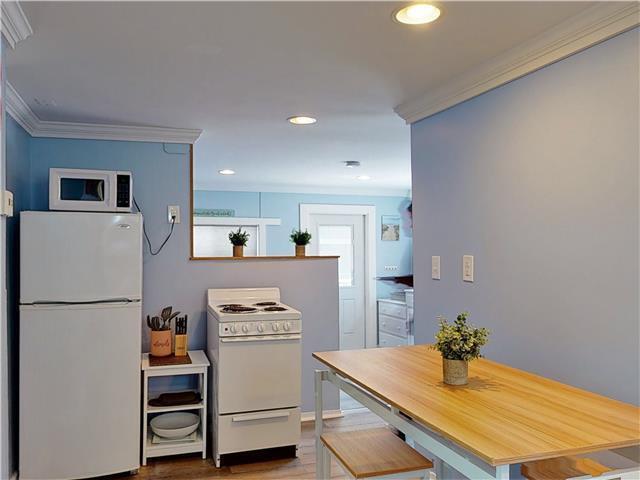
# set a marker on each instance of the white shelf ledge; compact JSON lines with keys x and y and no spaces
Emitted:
{"x":175,"y":408}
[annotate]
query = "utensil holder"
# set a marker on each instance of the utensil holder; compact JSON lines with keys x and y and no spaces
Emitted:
{"x":160,"y":343}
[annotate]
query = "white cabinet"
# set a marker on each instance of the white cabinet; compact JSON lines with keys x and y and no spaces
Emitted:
{"x":395,"y":322}
{"x":198,"y":366}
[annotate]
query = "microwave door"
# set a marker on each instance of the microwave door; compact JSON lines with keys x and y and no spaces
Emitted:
{"x":89,"y":190}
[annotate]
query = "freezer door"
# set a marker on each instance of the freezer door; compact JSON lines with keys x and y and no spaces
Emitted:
{"x":80,"y":257}
{"x":79,"y":391}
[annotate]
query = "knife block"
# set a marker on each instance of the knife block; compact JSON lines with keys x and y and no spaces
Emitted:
{"x":180,"y":343}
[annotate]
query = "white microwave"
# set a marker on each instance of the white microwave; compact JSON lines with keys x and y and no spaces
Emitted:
{"x":90,"y":190}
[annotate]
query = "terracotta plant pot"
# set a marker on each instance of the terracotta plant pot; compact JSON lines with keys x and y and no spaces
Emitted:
{"x":455,"y":372}
{"x":301,"y":250}
{"x":238,"y":251}
{"x":160,"y":343}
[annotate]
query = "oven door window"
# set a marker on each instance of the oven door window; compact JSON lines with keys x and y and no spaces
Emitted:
{"x":82,"y":189}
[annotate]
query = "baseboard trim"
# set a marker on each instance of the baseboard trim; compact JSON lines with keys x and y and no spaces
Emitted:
{"x":326,"y":415}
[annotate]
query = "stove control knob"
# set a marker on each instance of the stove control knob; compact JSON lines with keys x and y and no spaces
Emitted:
{"x":261,"y":327}
{"x":275,"y":327}
{"x":232,"y":329}
{"x":286,"y":326}
{"x":245,"y":329}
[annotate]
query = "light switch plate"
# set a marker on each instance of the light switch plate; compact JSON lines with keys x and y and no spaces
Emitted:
{"x":435,"y":268}
{"x":467,"y":268}
{"x":173,"y":210}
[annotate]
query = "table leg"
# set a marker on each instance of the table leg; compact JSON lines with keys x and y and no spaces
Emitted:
{"x":502,"y":472}
{"x":203,"y":412}
{"x":145,"y":407}
{"x":321,"y":463}
{"x":438,"y":468}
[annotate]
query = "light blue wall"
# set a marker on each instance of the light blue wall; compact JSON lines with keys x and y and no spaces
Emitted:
{"x":161,"y":178}
{"x":286,"y":206}
{"x":539,"y":180}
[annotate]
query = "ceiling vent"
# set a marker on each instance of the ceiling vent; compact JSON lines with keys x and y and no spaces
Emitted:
{"x":352,"y":163}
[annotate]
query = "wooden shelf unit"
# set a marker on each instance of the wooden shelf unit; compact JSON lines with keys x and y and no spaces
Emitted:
{"x":199,"y":366}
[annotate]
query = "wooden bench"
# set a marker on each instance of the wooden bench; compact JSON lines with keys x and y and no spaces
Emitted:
{"x":376,"y":453}
{"x":608,"y":465}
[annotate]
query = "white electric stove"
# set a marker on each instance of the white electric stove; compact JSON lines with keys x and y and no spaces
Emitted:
{"x":254,"y":343}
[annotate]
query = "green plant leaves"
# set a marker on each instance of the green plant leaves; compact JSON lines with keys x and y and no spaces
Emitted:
{"x":460,"y":341}
{"x":300,"y":238}
{"x":239,"y":238}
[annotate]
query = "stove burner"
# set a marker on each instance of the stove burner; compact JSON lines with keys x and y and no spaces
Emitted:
{"x":224,"y":305}
{"x":265,"y":304}
{"x":238,"y":309}
{"x":274,"y":309}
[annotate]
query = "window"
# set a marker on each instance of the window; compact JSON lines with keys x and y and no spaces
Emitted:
{"x":338,"y":240}
{"x":211,"y":235}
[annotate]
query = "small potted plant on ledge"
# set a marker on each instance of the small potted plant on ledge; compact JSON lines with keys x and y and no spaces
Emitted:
{"x":161,"y":332}
{"x":239,"y":240}
{"x":301,"y":239}
{"x":459,"y":344}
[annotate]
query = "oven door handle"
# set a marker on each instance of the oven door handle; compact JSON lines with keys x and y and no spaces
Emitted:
{"x":259,"y":416}
{"x":263,"y":338}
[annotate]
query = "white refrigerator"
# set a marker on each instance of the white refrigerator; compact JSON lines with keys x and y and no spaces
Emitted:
{"x":80,"y":329}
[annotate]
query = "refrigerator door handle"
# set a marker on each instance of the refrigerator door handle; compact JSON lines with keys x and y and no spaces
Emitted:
{"x":44,"y":303}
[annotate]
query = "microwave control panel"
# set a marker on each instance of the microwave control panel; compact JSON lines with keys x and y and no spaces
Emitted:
{"x":124,"y":191}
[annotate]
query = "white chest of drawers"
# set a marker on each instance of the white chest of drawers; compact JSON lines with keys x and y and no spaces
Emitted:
{"x":395,"y":322}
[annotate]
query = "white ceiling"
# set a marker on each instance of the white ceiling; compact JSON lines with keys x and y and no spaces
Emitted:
{"x":238,"y":70}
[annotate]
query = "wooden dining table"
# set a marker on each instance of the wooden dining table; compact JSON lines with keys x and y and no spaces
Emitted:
{"x":503,"y":416}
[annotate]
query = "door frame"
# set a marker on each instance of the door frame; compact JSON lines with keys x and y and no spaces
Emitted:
{"x":369,"y":214}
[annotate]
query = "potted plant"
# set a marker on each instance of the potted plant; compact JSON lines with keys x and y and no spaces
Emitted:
{"x":239,"y":240}
{"x":459,"y":344}
{"x":161,"y":332}
{"x":301,"y":239}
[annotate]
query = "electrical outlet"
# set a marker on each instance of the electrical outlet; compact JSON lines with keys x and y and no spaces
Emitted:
{"x":173,"y":211}
{"x":467,"y":268}
{"x":391,"y":268}
{"x":435,"y":268}
{"x":6,"y":203}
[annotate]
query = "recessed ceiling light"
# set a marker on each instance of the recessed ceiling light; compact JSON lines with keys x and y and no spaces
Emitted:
{"x":226,"y":171}
{"x":417,"y":14}
{"x":301,"y":120}
{"x":363,"y":177}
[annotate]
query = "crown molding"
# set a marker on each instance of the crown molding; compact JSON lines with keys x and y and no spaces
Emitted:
{"x":592,"y":26}
{"x":15,"y":26}
{"x":20,"y":111}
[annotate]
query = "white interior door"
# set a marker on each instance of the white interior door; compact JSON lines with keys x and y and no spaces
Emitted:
{"x":343,"y":235}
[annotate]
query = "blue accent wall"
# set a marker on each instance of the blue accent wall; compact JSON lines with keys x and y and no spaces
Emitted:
{"x":161,"y":178}
{"x":17,"y":155}
{"x":286,"y":207}
{"x":538,"y":180}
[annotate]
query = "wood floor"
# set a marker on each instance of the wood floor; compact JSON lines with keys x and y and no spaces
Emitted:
{"x":192,"y":467}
